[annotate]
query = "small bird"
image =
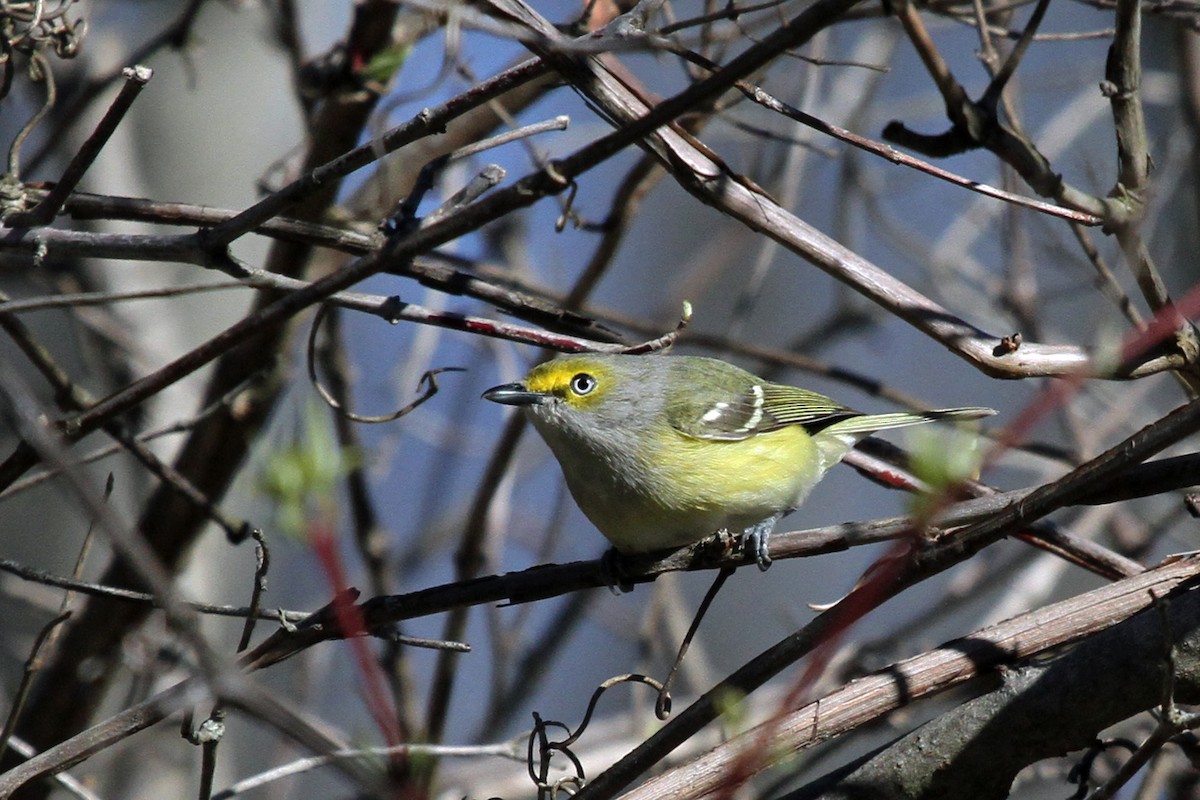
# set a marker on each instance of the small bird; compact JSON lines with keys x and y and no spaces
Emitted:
{"x":662,"y":451}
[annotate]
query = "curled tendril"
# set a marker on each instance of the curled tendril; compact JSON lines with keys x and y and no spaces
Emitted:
{"x":428,"y":381}
{"x":28,"y":26}
{"x":539,"y":762}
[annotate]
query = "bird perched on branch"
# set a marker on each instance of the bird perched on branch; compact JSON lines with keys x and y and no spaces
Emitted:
{"x":662,"y":451}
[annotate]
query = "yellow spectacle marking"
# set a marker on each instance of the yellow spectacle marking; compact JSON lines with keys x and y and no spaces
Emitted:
{"x":554,"y":377}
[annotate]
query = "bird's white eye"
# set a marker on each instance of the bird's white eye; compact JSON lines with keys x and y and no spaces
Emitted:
{"x":582,"y":384}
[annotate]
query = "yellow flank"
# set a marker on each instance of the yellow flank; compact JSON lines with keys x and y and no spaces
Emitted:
{"x":740,"y":478}
{"x":696,"y":487}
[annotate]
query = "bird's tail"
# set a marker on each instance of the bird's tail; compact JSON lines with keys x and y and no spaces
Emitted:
{"x":869,"y":423}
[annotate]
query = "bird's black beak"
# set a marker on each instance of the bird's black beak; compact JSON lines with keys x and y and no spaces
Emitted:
{"x":514,"y":394}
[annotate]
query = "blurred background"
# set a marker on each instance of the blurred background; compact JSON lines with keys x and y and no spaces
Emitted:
{"x":237,"y":99}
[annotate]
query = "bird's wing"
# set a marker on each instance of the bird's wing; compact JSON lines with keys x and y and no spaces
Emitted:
{"x":734,"y":415}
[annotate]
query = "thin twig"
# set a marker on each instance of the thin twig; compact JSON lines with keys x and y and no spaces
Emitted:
{"x":505,"y":750}
{"x":44,"y":212}
{"x":117,"y":593}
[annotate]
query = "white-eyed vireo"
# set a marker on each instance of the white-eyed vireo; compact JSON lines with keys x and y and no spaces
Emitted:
{"x":662,"y":451}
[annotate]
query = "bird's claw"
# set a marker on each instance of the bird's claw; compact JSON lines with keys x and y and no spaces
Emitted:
{"x":755,"y":539}
{"x":613,"y":570}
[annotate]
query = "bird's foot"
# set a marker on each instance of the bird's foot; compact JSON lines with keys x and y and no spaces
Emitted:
{"x":612,"y":567}
{"x":754,"y":541}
